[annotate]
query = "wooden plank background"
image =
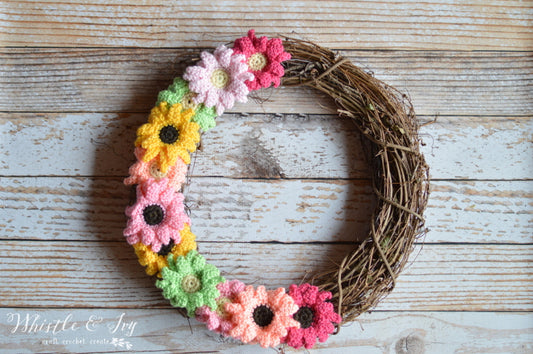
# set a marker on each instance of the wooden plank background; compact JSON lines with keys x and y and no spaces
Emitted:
{"x":280,"y":182}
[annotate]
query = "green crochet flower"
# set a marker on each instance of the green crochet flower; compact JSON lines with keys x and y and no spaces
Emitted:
{"x":190,"y":282}
{"x":179,"y":92}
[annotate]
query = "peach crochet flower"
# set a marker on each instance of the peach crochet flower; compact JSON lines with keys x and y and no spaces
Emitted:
{"x":141,"y":171}
{"x":218,"y":320}
{"x":264,"y":57}
{"x":316,"y":316}
{"x":219,"y":79}
{"x":157,"y":216}
{"x":262,"y":316}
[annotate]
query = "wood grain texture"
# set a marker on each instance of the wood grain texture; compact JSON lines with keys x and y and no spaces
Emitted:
{"x":128,"y":80}
{"x":92,"y":209}
{"x":480,"y":24}
{"x":163,"y":330}
{"x":106,"y":274}
{"x":280,"y":184}
{"x":262,"y":146}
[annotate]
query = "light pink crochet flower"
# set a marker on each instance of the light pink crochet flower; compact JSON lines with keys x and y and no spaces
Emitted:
{"x":157,"y":216}
{"x":219,"y":79}
{"x":264,"y":57}
{"x":218,"y":320}
{"x":316,"y":316}
{"x":141,"y":171}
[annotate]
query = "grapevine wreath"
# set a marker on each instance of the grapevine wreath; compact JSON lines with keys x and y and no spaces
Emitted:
{"x":160,"y":230}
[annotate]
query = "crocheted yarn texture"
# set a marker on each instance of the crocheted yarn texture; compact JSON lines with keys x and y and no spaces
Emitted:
{"x":160,"y":230}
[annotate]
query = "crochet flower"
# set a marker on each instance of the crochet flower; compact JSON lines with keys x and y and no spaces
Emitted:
{"x":262,"y":316}
{"x":315,"y":315}
{"x":155,"y":261}
{"x":219,"y":79}
{"x":218,"y":320}
{"x":264,"y":57}
{"x":190,"y":282}
{"x":141,"y":171}
{"x":179,"y":92}
{"x":157,"y":216}
{"x":168,"y":135}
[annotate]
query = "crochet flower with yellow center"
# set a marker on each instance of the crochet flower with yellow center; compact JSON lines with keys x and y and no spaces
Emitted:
{"x":169,"y":134}
{"x":160,"y":230}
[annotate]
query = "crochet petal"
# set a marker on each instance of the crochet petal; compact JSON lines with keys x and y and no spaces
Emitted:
{"x":219,"y":108}
{"x":165,"y":234}
{"x":309,"y":336}
{"x":227,"y":100}
{"x":148,"y":238}
{"x":197,"y":263}
{"x":153,"y":146}
{"x":247,"y":334}
{"x":132,"y":228}
{"x":211,"y":98}
{"x":133,"y":238}
{"x":264,"y":79}
{"x":194,"y":73}
{"x":209,"y":61}
{"x":261,"y":44}
{"x":167,"y":156}
{"x":147,"y":129}
{"x":275,"y":69}
{"x":224,"y":56}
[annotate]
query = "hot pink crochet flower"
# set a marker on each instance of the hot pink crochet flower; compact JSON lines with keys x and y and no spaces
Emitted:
{"x":141,"y":171}
{"x":157,"y":216}
{"x":218,"y":320}
{"x":219,"y":79}
{"x":262,"y":316}
{"x":264,"y":57}
{"x":315,"y":315}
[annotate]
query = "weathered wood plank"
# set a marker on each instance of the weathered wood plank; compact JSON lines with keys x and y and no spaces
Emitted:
{"x":128,"y":80}
{"x":439,"y":25}
{"x":272,"y":210}
{"x":163,"y":330}
{"x":62,"y":243}
{"x":258,"y":146}
{"x":106,"y":274}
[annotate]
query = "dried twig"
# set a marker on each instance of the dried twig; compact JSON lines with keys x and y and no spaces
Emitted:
{"x":387,"y":121}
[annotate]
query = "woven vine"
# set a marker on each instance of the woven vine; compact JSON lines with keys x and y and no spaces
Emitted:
{"x":400,"y":176}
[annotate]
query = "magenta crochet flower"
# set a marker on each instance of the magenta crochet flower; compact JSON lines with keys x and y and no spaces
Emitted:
{"x":264,"y":57}
{"x":157,"y":216}
{"x":218,"y":320}
{"x":315,"y":315}
{"x":141,"y":171}
{"x":219,"y":79}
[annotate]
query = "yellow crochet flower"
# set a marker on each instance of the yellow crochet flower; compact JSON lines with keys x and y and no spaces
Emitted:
{"x":155,"y":261}
{"x":169,"y":133}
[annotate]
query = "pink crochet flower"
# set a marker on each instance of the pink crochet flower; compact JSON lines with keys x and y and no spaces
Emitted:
{"x":219,"y":79}
{"x":157,"y":216}
{"x":218,"y":320}
{"x":141,"y":171}
{"x":261,"y":316}
{"x":264,"y":59}
{"x":315,"y":315}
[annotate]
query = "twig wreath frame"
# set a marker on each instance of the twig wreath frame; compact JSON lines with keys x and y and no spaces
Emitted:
{"x":160,"y":230}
